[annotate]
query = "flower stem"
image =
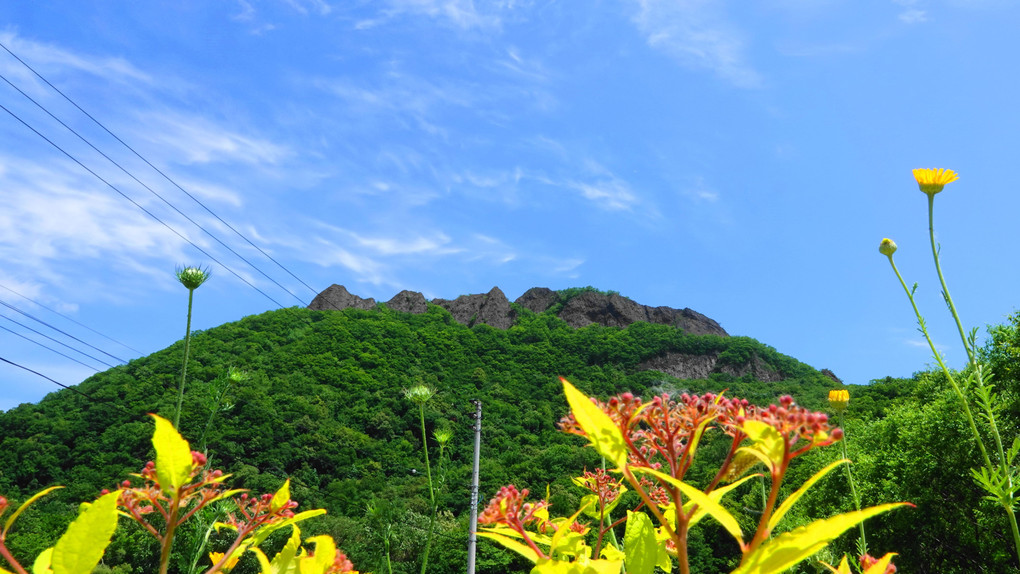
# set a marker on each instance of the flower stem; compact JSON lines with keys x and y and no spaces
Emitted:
{"x":432,"y":491}
{"x":853,"y":487}
{"x":184,"y":368}
{"x":945,"y":290}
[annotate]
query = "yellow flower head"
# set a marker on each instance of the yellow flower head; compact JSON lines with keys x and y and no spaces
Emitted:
{"x":839,"y":399}
{"x":931,"y":181}
{"x":887,"y":248}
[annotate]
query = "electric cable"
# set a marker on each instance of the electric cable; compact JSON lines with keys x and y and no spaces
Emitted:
{"x":66,"y":334}
{"x":152,"y":191}
{"x":51,"y":310}
{"x":136,"y":204}
{"x":160,"y":172}
{"x":72,"y":389}
{"x":48,"y":348}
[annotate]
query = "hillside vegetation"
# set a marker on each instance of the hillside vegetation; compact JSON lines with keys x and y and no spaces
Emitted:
{"x":323,"y":405}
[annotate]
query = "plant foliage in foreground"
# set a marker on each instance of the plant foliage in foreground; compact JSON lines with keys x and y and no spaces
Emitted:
{"x":652,"y":445}
{"x":173,"y":488}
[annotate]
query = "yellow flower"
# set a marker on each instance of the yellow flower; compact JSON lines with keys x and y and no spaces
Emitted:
{"x":887,"y":248}
{"x":931,"y":181}
{"x":839,"y":399}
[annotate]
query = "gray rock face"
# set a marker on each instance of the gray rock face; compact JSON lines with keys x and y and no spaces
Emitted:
{"x":492,"y":309}
{"x":683,"y":366}
{"x":618,"y":311}
{"x":336,"y":297}
{"x":538,"y":299}
{"x":408,"y":302}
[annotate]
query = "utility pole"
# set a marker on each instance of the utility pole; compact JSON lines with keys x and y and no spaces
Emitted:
{"x":473,"y":527}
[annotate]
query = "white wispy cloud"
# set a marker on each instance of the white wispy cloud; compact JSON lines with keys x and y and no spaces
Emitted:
{"x":913,"y":16}
{"x":191,"y":139}
{"x":697,"y":35}
{"x":460,"y":13}
{"x":49,"y":59}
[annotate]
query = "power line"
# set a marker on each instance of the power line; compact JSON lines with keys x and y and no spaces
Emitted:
{"x":136,"y":204}
{"x":66,"y":334}
{"x":70,"y":319}
{"x":56,"y":341}
{"x":72,"y":389}
{"x":160,"y":172}
{"x":48,"y":348}
{"x":152,"y":191}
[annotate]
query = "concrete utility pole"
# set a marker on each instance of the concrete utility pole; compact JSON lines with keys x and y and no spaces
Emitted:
{"x":473,"y":527}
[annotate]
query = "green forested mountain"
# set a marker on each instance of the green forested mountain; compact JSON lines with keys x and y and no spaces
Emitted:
{"x":323,"y":405}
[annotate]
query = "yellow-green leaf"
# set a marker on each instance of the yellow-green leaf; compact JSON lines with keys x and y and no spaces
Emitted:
{"x":264,"y":566}
{"x":325,"y":553}
{"x":173,"y":457}
{"x":26,"y":504}
{"x":789,"y":548}
{"x":793,"y":498}
{"x":600,"y":429}
{"x":880,"y":566}
{"x":261,"y":534}
{"x":713,"y":508}
{"x":281,"y":497}
{"x":507,"y":542}
{"x":765,"y":442}
{"x":715,"y":495}
{"x":80,"y":548}
{"x":640,"y":544}
{"x":284,"y":558}
{"x":844,"y":567}
{"x":42,"y":562}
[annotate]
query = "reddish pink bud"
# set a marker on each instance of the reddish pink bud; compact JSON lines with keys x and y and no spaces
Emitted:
{"x":837,"y":434}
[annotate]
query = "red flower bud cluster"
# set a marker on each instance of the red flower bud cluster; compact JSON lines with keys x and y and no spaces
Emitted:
{"x":802,"y":429}
{"x":868,"y":561}
{"x":602,"y":485}
{"x":256,"y":511}
{"x":203,"y":487}
{"x":509,"y":508}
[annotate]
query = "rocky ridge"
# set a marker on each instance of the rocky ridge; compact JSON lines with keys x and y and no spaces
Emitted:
{"x":582,"y":309}
{"x":494,"y":309}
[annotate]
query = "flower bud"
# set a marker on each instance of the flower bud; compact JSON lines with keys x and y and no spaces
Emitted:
{"x":192,"y":277}
{"x":887,"y":247}
{"x":839,"y":399}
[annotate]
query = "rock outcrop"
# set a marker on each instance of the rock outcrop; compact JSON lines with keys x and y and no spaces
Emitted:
{"x":491,"y":309}
{"x":494,"y":309}
{"x":336,"y":297}
{"x":408,"y":302}
{"x":684,"y":366}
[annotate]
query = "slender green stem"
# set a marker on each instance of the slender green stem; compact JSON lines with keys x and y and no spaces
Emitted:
{"x":432,"y":490}
{"x":945,"y":370}
{"x":853,"y":487}
{"x":978,"y":376}
{"x":184,"y":368}
{"x":945,"y":290}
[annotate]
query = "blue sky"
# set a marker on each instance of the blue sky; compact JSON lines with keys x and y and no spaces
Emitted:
{"x":743,"y":159}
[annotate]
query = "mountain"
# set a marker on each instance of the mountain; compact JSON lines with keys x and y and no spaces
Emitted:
{"x":323,"y":405}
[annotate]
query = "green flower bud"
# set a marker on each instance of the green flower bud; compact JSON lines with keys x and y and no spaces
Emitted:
{"x":887,"y":247}
{"x":192,"y":277}
{"x":420,"y":394}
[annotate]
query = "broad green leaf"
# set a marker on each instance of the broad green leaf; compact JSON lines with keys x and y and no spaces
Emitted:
{"x":793,"y":498}
{"x":319,"y":563}
{"x":602,"y":432}
{"x":715,"y":495}
{"x":765,"y":440}
{"x":173,"y":457}
{"x":789,"y":548}
{"x":713,"y":508}
{"x":42,"y":562}
{"x":522,"y":549}
{"x":281,"y":497}
{"x":5,"y":571}
{"x":610,"y":552}
{"x":26,"y":504}
{"x":590,"y":504}
{"x":640,"y":544}
{"x":548,"y":566}
{"x":80,"y":548}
